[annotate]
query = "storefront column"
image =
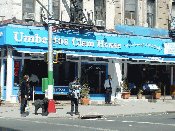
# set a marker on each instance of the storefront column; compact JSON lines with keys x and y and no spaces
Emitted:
{"x":114,"y":69}
{"x":2,"y":72}
{"x":79,"y":67}
{"x":22,"y":63}
{"x":9,"y":75}
{"x":125,"y":69}
{"x":171,"y":75}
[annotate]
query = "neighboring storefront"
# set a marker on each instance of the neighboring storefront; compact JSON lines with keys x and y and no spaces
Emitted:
{"x":94,"y":54}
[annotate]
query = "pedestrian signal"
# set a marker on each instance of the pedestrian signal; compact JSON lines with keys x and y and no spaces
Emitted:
{"x":60,"y":57}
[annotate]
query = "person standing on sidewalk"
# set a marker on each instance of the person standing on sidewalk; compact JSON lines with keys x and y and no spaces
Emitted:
{"x":108,"y":89}
{"x":74,"y":89}
{"x":24,"y":94}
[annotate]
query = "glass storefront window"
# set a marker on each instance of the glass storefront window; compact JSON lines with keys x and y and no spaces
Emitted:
{"x":101,"y":59}
{"x":173,"y":75}
{"x":69,"y":57}
{"x":16,"y":53}
{"x":27,"y":54}
{"x":96,"y":75}
{"x":5,"y":53}
{"x":63,"y":73}
{"x":87,"y":58}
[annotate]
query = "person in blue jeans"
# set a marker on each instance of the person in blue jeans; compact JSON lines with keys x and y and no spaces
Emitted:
{"x":108,"y":89}
{"x":75,"y":87}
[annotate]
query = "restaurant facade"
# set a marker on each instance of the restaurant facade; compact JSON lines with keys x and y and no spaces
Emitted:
{"x":94,"y":55}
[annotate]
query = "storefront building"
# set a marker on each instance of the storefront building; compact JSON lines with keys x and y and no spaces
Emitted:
{"x":92,"y":54}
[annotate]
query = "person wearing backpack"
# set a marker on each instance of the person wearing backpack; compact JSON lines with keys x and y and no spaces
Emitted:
{"x":74,"y":94}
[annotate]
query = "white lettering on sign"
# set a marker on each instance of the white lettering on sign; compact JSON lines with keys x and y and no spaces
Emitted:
{"x":59,"y":89}
{"x":79,"y":42}
{"x":154,"y":58}
{"x":16,"y":36}
{"x":146,"y":45}
{"x":19,"y":37}
{"x":60,"y":41}
{"x":100,"y":43}
{"x":32,"y":39}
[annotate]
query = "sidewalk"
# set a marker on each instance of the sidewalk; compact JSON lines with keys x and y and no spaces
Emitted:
{"x":63,"y":109}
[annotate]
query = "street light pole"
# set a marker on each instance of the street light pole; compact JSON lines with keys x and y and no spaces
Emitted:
{"x":50,"y":54}
{"x":51,"y":105}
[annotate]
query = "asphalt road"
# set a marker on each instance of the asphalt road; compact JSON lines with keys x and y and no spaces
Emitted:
{"x":137,"y":122}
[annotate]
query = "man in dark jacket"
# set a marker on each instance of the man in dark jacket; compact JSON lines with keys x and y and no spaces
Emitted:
{"x":75,"y":88}
{"x":24,"y":94}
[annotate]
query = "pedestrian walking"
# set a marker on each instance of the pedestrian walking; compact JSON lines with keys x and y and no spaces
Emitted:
{"x":74,"y":90}
{"x":24,"y":94}
{"x":108,"y":89}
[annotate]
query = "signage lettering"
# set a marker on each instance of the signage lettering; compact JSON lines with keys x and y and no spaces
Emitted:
{"x":59,"y":89}
{"x":60,"y":41}
{"x":19,"y":37}
{"x":100,"y":43}
{"x":110,"y":45}
{"x":32,"y":39}
{"x":154,"y":58}
{"x":16,"y":35}
{"x":79,"y":42}
{"x":146,"y":45}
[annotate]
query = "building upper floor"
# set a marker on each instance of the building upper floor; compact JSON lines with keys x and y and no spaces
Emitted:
{"x":146,"y":13}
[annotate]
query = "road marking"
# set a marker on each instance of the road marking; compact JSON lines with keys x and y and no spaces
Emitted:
{"x":110,"y":120}
{"x":150,"y":123}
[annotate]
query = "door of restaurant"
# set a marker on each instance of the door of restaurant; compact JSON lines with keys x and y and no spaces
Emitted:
{"x":96,"y":75}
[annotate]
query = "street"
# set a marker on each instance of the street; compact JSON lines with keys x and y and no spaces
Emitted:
{"x":136,"y":122}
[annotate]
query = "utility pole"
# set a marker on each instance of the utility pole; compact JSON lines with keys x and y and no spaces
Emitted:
{"x":51,"y":105}
{"x":48,"y":82}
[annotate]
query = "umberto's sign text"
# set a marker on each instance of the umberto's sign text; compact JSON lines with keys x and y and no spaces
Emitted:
{"x":20,"y":37}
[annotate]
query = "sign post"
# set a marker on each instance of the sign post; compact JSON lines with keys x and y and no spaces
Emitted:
{"x":51,"y":105}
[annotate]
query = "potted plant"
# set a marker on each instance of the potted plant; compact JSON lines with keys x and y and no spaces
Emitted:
{"x":126,"y":91}
{"x":84,"y":91}
{"x":139,"y":94}
{"x":85,"y":94}
{"x":157,"y":94}
{"x":173,"y":95}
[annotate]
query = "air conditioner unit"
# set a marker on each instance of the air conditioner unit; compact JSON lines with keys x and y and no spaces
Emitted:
{"x":29,"y":16}
{"x":100,"y":23}
{"x":130,"y":22}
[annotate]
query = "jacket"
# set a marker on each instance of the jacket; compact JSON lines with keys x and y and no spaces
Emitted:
{"x":74,"y":90}
{"x":24,"y":89}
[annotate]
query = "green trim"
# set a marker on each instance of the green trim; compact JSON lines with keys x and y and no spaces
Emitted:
{"x":50,"y":77}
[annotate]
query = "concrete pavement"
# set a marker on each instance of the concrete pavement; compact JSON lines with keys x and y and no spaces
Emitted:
{"x":62,"y":110}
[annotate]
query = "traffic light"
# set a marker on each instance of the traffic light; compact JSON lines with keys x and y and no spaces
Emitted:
{"x":60,"y":57}
{"x":46,"y":57}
